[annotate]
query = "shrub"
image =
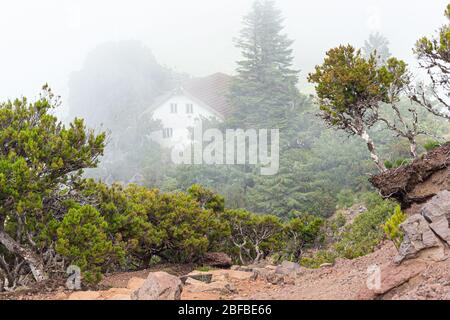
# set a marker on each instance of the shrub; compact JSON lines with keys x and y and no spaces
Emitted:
{"x":396,"y":163}
{"x":345,"y":198}
{"x":252,"y":236}
{"x":431,"y":145}
{"x":300,"y":233}
{"x":318,"y":258}
{"x":366,"y":232}
{"x":392,"y":226}
{"x":82,"y":239}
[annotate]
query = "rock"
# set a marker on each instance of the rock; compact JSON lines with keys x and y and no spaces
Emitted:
{"x":437,"y":207}
{"x":221,"y":287}
{"x":288,"y":267}
{"x":417,"y":237}
{"x":192,"y":281}
{"x":217,"y":260}
{"x":392,"y":277}
{"x":219,"y":275}
{"x":135,"y":283}
{"x":326,"y":265}
{"x":198,"y":275}
{"x":159,"y":286}
{"x":275,"y":278}
{"x":238,"y":275}
{"x":437,"y":213}
{"x":441,"y":229}
{"x":84,"y":295}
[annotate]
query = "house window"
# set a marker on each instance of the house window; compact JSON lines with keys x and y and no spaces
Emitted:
{"x":167,"y":133}
{"x":189,"y":108}
{"x":173,"y":108}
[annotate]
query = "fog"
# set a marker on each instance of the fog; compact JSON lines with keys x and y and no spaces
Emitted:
{"x":45,"y":41}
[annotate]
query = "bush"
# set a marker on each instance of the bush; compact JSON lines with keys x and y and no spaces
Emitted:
{"x":396,"y":163}
{"x":300,"y":233}
{"x":366,"y":232}
{"x":318,"y":258}
{"x":392,"y":226}
{"x":82,"y":239}
{"x":252,"y":236}
{"x":345,"y":198}
{"x":431,"y":145}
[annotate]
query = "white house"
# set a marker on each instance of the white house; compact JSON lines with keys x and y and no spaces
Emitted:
{"x":181,"y":110}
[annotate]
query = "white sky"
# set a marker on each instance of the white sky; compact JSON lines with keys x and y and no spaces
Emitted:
{"x":45,"y":40}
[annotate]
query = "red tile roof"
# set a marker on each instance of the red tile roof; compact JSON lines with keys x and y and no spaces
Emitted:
{"x":211,"y":90}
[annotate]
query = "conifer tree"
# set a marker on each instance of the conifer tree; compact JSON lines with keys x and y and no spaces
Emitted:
{"x":264,"y":92}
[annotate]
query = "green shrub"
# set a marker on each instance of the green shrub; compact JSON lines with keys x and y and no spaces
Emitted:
{"x":300,"y":233}
{"x":82,"y":239}
{"x":252,"y":236}
{"x":366,"y":232}
{"x":396,"y":163}
{"x":431,"y":145}
{"x":318,"y":258}
{"x":345,"y":198}
{"x":392,"y":226}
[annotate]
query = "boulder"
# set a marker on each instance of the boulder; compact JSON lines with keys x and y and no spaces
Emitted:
{"x":199,"y":276}
{"x":219,"y":275}
{"x":135,"y":283}
{"x":159,"y":286}
{"x":417,"y":237}
{"x":392,"y":277}
{"x":437,"y":213}
{"x":217,"y":260}
{"x":221,"y":287}
{"x":437,"y":207}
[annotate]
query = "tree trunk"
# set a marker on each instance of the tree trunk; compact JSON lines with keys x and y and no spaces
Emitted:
{"x":258,"y":254}
{"x":371,"y":146}
{"x":413,"y":147}
{"x":34,"y":262}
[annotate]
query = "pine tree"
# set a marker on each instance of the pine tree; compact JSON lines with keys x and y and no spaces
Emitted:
{"x":264,"y":91}
{"x":379,"y":45}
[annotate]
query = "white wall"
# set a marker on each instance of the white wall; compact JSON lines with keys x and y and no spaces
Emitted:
{"x":180,"y":121}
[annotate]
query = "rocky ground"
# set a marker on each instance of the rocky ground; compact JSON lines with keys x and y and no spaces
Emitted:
{"x":417,"y":278}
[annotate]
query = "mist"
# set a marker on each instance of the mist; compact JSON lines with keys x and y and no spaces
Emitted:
{"x":46,"y":41}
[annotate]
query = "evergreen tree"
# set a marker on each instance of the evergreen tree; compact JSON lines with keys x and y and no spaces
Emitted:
{"x":264,"y":92}
{"x":379,"y":45}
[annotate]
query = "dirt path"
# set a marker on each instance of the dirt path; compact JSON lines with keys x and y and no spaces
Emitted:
{"x":346,"y":280}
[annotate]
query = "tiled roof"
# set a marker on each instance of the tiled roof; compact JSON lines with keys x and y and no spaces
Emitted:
{"x":211,"y":90}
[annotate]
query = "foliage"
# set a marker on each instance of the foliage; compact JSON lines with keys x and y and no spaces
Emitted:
{"x":253,"y":236}
{"x":149,"y":223}
{"x":82,"y":238}
{"x":264,"y":89}
{"x":352,"y":92}
{"x":41,"y":164}
{"x":318,"y":258}
{"x":392,"y":226}
{"x":207,"y":198}
{"x":433,"y":55}
{"x":431,"y":145}
{"x":365,"y":233}
{"x":300,"y":233}
{"x":377,"y":45}
{"x":396,"y":163}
